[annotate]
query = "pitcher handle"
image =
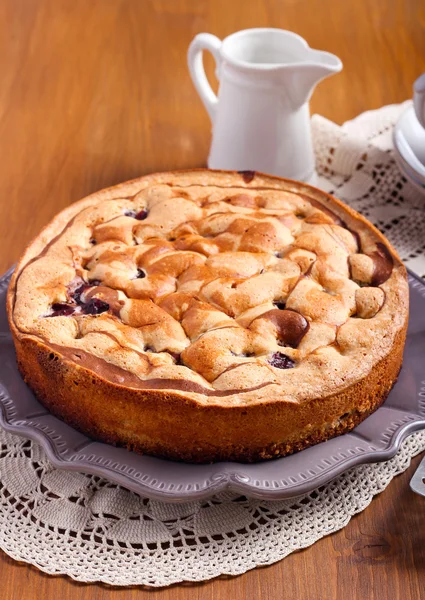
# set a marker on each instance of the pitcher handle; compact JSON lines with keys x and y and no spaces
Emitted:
{"x":204,"y":41}
{"x":419,"y":99}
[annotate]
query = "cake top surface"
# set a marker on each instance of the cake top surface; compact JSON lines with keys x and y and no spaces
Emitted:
{"x":223,"y":287}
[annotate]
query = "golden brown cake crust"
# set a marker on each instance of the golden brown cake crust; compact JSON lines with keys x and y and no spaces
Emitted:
{"x":207,"y":315}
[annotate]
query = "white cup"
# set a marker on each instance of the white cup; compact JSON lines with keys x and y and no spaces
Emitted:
{"x":419,"y":99}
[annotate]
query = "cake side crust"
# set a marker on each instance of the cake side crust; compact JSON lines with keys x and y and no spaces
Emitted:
{"x":166,"y":424}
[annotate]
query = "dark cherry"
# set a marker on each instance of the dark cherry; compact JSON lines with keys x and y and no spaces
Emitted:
{"x":383,"y":264}
{"x":281,"y":361}
{"x":140,"y":216}
{"x":60,"y":309}
{"x":76,"y":295}
{"x":280,"y":305}
{"x":247,"y":176}
{"x":95,"y":306}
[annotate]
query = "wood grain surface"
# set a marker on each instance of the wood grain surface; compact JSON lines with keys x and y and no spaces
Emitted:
{"x":94,"y":92}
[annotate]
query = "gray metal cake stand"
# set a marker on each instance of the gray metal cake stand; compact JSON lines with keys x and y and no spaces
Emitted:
{"x":376,"y":439}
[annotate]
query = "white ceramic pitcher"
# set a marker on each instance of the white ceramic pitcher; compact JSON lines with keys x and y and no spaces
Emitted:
{"x":261,"y":119}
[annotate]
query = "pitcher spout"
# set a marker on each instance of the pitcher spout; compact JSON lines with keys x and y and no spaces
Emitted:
{"x":306,"y":76}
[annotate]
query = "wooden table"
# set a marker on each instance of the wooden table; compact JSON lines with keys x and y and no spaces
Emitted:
{"x":95,"y":92}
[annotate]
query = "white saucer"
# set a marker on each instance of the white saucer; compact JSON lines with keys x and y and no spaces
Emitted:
{"x":409,"y":148}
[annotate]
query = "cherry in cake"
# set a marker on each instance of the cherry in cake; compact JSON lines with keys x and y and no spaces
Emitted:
{"x":281,"y":361}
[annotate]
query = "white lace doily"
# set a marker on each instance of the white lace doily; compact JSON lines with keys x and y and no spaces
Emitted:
{"x":92,"y":530}
{"x":355,"y":163}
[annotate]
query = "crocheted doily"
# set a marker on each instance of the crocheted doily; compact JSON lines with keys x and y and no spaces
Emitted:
{"x":355,"y":162}
{"x":93,"y":530}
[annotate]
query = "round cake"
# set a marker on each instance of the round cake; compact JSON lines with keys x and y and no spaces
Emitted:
{"x":208,"y":315}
